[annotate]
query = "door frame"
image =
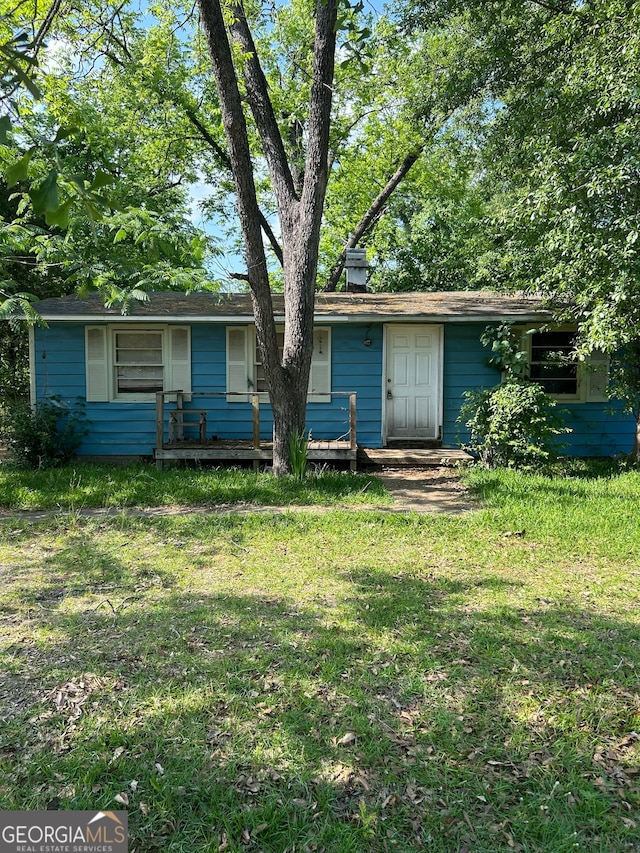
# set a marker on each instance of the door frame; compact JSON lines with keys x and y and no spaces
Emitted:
{"x":386,"y":329}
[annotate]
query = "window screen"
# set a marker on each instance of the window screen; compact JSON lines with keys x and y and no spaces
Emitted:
{"x":138,"y":362}
{"x":549,"y":365}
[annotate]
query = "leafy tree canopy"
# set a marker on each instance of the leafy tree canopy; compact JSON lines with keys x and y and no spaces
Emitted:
{"x":549,"y":170}
{"x":96,"y":193}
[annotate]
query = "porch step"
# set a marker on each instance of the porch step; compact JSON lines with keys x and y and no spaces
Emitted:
{"x":414,"y":444}
{"x":412,"y":457}
{"x":245,"y":451}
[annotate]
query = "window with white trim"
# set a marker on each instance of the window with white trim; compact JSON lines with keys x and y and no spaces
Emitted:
{"x":245,"y":368}
{"x":550,"y":366}
{"x":130,"y":364}
{"x":138,"y":361}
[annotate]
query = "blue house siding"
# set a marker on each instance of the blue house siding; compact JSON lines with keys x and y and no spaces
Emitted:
{"x":357,"y":367}
{"x":129,"y":428}
{"x":209,"y":374}
{"x":115,"y":428}
{"x":463,"y":369}
{"x":59,"y":360}
{"x":354,"y":367}
{"x":118,"y":428}
{"x":597,"y":429}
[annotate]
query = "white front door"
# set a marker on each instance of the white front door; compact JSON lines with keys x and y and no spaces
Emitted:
{"x":412,"y":381}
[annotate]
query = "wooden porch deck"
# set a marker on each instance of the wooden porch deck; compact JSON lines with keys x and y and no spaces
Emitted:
{"x":243,"y":451}
{"x":172,"y":445}
{"x":319,"y":451}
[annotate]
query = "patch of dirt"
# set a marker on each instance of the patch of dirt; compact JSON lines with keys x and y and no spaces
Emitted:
{"x":427,"y":490}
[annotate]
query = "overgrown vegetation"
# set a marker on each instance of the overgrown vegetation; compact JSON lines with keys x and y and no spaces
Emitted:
{"x":14,"y":365}
{"x":340,"y":682}
{"x":514,"y":423}
{"x":45,"y":435}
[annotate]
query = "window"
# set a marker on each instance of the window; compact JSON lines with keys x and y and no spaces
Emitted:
{"x":580,"y":381}
{"x":548,"y":365}
{"x":132,"y":364}
{"x":245,"y":368}
{"x":138,"y":362}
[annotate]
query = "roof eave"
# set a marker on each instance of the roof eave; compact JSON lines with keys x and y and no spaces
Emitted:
{"x":529,"y":317}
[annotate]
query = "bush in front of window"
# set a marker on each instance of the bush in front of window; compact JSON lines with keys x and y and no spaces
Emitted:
{"x":45,"y":435}
{"x":515,"y":423}
{"x":506,"y":354}
{"x":512,"y":425}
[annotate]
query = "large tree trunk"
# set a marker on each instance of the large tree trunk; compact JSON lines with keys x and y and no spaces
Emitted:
{"x":289,"y":419}
{"x":300,"y":215}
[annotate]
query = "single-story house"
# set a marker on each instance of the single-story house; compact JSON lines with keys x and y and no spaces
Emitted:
{"x":393,"y":366}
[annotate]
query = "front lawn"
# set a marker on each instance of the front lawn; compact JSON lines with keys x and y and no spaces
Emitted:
{"x":87,"y":486}
{"x":350,"y":681}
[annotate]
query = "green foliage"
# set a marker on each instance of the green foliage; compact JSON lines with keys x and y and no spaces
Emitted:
{"x":299,"y":454}
{"x":624,"y":377}
{"x":46,"y":435}
{"x":431,"y":236}
{"x":417,"y":85}
{"x":14,"y":366}
{"x":547,"y":163}
{"x":16,"y":307}
{"x":18,"y":170}
{"x":17,"y":58}
{"x":568,"y":139}
{"x":512,"y":425}
{"x":506,"y":354}
{"x":102,"y":154}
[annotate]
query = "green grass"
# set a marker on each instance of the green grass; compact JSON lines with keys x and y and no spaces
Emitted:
{"x":85,"y":486}
{"x":350,"y":681}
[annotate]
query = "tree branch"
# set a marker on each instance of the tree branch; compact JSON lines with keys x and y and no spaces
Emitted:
{"x":240,"y":154}
{"x":105,"y":29}
{"x":225,"y":161}
{"x":264,"y":117}
{"x":551,"y":7}
{"x":156,"y":191}
{"x":45,"y":26}
{"x":220,"y":154}
{"x":371,"y":216}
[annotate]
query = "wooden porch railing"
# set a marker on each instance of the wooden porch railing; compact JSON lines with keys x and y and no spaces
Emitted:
{"x":201,"y":447}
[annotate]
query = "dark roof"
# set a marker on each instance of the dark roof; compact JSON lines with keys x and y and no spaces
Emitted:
{"x":199,"y":307}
